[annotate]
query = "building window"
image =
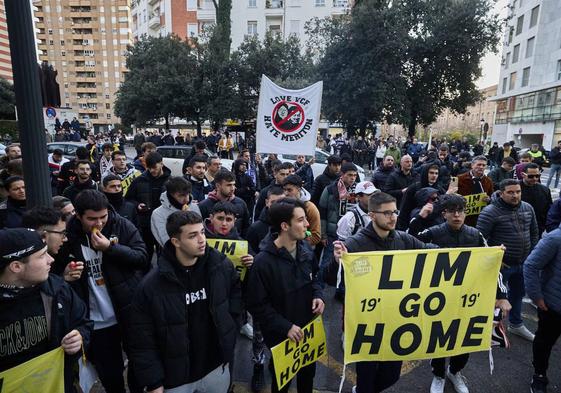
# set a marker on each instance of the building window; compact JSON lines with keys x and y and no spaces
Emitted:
{"x":515,"y":53}
{"x":534,"y":16}
{"x":505,"y":83}
{"x":51,"y":42}
{"x":252,"y":3}
{"x":525,"y":76}
{"x":559,"y":70}
{"x":294,"y":27}
{"x":191,"y":5}
{"x":320,"y":3}
{"x":530,"y":47}
{"x":107,"y":106}
{"x":192,"y":30}
{"x":507,"y":59}
{"x":519,"y":24}
{"x":512,"y":84}
{"x":61,"y":42}
{"x":251,"y":28}
{"x":109,"y":115}
{"x":107,"y":96}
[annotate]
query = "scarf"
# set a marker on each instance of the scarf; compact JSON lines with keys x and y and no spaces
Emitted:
{"x":343,"y":190}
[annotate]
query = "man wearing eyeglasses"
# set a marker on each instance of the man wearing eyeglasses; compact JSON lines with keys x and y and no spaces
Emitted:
{"x":379,"y":235}
{"x":52,"y":227}
{"x":536,"y":194}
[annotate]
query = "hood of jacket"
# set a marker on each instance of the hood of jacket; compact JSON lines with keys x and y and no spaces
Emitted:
{"x":422,"y":196}
{"x":305,"y":196}
{"x":424,"y":175}
{"x":382,"y":168}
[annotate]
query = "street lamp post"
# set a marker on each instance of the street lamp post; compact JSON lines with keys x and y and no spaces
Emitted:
{"x":28,"y":101}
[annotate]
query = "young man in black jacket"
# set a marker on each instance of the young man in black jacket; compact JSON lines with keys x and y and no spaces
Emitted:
{"x":536,"y":194}
{"x":113,"y":190}
{"x":195,"y":174}
{"x":454,"y":234}
{"x":83,"y":181}
{"x":115,"y":259}
{"x":283,"y":293}
{"x":43,"y":303}
{"x":379,"y":235}
{"x":185,"y":314}
{"x":329,"y":175}
{"x":260,"y":228}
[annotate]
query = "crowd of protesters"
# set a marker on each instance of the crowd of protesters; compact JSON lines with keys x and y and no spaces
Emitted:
{"x":123,"y":254}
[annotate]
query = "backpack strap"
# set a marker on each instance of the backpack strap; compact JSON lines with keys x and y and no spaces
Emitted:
{"x":359,"y":222}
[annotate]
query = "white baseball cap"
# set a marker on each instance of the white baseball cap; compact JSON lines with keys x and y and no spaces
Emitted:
{"x":365,"y":187}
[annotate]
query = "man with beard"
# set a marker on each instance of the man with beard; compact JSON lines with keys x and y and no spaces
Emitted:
{"x":475,"y":182}
{"x":536,"y":194}
{"x":195,"y":174}
{"x":225,"y":183}
{"x":67,"y":172}
{"x":113,"y":190}
{"x":11,"y":210}
{"x":83,"y":181}
{"x":400,"y":179}
{"x":383,"y":171}
{"x":176,"y":197}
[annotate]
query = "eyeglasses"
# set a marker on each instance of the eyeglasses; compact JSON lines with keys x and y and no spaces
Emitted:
{"x":533,"y":176}
{"x":61,"y":233}
{"x":388,"y":213}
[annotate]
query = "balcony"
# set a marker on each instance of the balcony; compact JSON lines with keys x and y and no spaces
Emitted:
{"x":340,"y":7}
{"x":154,"y":21}
{"x":274,"y":8}
{"x":152,"y":2}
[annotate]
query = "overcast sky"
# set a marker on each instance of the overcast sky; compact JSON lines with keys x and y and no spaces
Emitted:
{"x":492,"y":63}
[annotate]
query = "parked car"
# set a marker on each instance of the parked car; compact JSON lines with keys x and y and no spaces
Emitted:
{"x":321,"y":162}
{"x":68,"y":148}
{"x":175,"y":155}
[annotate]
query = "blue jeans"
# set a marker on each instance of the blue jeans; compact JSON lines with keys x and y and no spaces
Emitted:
{"x":554,"y":170}
{"x":514,"y":279}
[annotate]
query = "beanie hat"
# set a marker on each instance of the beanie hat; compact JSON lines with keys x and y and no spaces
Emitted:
{"x":18,"y":243}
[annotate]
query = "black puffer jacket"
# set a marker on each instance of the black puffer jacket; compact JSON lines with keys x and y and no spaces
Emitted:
{"x":147,"y":189}
{"x":322,"y":181}
{"x":280,"y":289}
{"x":67,"y":312}
{"x":159,"y":347}
{"x":258,"y":230}
{"x":381,"y":175}
{"x":514,"y":226}
{"x":397,"y":181}
{"x":124,"y":263}
{"x":539,"y":197}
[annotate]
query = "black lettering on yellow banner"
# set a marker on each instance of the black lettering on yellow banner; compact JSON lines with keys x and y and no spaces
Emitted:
{"x":234,"y":250}
{"x":289,"y":356}
{"x":419,"y":304}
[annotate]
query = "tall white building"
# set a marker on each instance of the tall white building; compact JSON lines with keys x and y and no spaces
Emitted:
{"x":529,"y":94}
{"x":283,"y":17}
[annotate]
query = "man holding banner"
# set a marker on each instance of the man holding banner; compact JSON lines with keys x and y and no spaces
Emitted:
{"x":283,"y":292}
{"x":474,"y":183}
{"x":39,"y":313}
{"x":379,"y":235}
{"x":454,"y":234}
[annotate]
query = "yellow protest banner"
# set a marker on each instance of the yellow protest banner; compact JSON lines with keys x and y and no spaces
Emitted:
{"x":290,"y":356}
{"x":475,"y":203}
{"x":419,"y":304}
{"x":234,"y":250}
{"x":44,"y":373}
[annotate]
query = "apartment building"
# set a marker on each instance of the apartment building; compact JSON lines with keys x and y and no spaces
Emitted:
{"x":5,"y":57}
{"x":162,"y":17}
{"x":86,"y":42}
{"x":529,"y":95}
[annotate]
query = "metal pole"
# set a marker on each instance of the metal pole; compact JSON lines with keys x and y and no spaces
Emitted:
{"x":29,"y":103}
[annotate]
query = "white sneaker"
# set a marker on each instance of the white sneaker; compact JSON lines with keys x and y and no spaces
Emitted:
{"x":458,"y":380}
{"x":247,"y":330}
{"x":437,"y":385}
{"x":522,"y":331}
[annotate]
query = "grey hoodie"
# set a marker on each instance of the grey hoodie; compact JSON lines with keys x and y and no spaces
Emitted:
{"x":160,"y":216}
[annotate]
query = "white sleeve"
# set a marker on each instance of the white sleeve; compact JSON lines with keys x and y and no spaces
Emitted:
{"x":345,"y":226}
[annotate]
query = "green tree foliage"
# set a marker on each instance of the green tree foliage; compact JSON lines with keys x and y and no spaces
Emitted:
{"x":161,"y":81}
{"x":7,"y":100}
{"x":281,"y":60}
{"x":402,"y":60}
